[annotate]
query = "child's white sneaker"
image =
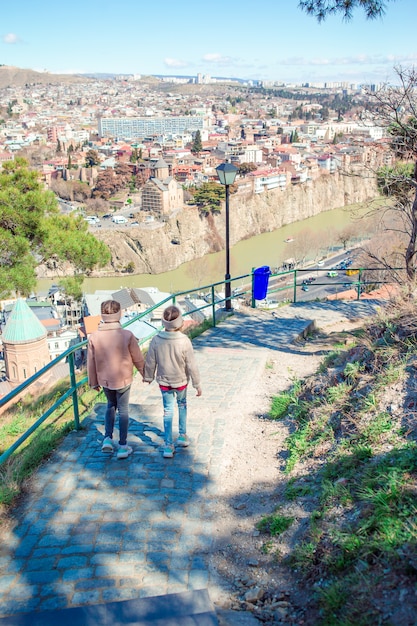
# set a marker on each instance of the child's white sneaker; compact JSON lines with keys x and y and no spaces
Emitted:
{"x":124,"y":451}
{"x":168,"y":452}
{"x":183,"y":441}
{"x":107,"y":445}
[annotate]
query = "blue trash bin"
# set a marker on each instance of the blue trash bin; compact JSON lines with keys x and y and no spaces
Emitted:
{"x":260,"y":282}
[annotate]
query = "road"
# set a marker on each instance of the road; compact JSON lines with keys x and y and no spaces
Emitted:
{"x":320,"y":286}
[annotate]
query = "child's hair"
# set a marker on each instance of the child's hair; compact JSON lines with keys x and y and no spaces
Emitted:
{"x":108,"y":307}
{"x":171,"y":313}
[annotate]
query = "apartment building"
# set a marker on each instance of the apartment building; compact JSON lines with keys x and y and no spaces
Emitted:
{"x":141,"y":127}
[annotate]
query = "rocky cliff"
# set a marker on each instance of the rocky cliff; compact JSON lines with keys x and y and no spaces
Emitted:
{"x":151,"y":249}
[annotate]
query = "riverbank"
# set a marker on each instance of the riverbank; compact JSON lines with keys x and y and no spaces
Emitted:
{"x":315,"y":237}
{"x":151,"y":251}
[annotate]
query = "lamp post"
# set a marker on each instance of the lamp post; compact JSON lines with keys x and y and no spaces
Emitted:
{"x":227,"y":174}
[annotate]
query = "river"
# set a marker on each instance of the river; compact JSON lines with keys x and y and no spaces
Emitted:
{"x":266,"y":249}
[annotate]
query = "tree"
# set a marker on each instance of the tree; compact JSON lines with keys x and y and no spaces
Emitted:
{"x":32,"y":231}
{"x":92,"y":158}
{"x":123,"y":173}
{"x":105,"y":184}
{"x":197,"y":146}
{"x":245,"y":168}
{"x":73,"y":286}
{"x":347,"y":234}
{"x":397,"y":110}
{"x":134,"y":156}
{"x":209,"y":197}
{"x":321,"y":9}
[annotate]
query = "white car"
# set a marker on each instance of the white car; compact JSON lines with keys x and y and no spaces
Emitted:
{"x":119,"y":219}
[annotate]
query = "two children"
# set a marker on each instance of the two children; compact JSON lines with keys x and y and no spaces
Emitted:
{"x":171,"y":359}
{"x":112,"y":353}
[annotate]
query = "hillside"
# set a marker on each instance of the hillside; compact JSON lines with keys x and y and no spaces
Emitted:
{"x":331,"y":540}
{"x":16,"y":77}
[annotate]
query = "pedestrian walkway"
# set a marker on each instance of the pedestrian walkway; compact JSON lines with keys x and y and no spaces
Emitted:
{"x":97,"y":530}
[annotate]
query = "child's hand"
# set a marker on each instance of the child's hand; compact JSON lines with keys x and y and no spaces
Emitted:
{"x":199,"y":391}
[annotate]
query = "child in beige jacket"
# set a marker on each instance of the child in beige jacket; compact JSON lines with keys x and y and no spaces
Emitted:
{"x":170,"y":359}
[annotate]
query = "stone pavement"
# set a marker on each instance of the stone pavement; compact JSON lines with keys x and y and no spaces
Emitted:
{"x":97,"y":530}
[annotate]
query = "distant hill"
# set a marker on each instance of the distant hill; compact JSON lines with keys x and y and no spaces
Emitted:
{"x":14,"y":76}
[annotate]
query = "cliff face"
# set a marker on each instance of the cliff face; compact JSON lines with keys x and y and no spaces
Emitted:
{"x":151,"y":249}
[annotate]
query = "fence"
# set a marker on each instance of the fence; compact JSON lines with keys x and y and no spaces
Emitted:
{"x":214,"y":302}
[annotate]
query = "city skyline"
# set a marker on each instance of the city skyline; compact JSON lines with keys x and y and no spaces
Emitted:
{"x":267,"y":42}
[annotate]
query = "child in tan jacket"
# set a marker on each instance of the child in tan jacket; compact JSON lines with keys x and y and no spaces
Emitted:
{"x":111,"y":354}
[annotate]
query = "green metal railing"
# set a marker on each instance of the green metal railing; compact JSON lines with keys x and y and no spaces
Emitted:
{"x":293,"y":286}
{"x":213,"y":302}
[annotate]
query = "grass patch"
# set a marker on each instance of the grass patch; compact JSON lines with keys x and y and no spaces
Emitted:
{"x":196,"y":331}
{"x":360,"y":546}
{"x":274,"y":524}
{"x":282,"y":402}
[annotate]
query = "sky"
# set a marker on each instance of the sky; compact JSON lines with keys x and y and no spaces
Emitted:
{"x":270,"y":40}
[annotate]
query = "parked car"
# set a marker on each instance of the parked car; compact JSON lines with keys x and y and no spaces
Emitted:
{"x":119,"y":219}
{"x":305,"y":287}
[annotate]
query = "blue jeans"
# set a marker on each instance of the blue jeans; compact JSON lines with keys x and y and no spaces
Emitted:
{"x":117,"y":399}
{"x":168,"y":398}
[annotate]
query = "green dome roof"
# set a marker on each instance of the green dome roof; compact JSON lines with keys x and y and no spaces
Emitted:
{"x":23,"y":326}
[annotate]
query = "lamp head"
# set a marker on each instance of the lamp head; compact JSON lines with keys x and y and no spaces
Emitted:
{"x":226,"y":173}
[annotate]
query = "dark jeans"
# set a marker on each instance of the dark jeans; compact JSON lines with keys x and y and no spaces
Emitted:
{"x":117,"y":399}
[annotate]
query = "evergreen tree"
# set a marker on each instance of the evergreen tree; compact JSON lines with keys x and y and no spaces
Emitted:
{"x":321,"y":9}
{"x":32,"y":231}
{"x":197,"y":146}
{"x":208,"y":197}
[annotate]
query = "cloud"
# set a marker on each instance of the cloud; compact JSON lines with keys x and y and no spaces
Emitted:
{"x":11,"y":38}
{"x":175,"y":62}
{"x":360,"y":59}
{"x":218,"y":59}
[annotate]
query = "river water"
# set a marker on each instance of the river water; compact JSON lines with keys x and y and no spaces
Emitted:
{"x":266,"y":249}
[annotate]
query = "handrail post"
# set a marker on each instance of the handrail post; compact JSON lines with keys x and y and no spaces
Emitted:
{"x":253,"y":303}
{"x":359,"y":286}
{"x":295,"y":286}
{"x":213,"y":305}
{"x":74,"y":392}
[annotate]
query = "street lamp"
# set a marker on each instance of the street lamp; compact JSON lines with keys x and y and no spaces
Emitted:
{"x":227,"y":174}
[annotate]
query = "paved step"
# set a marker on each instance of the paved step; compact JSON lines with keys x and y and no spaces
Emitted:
{"x":191,"y":608}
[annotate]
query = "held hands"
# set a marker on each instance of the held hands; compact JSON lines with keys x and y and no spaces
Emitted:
{"x":97,"y":388}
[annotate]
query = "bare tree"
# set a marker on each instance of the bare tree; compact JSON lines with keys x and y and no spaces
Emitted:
{"x":397,"y":111}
